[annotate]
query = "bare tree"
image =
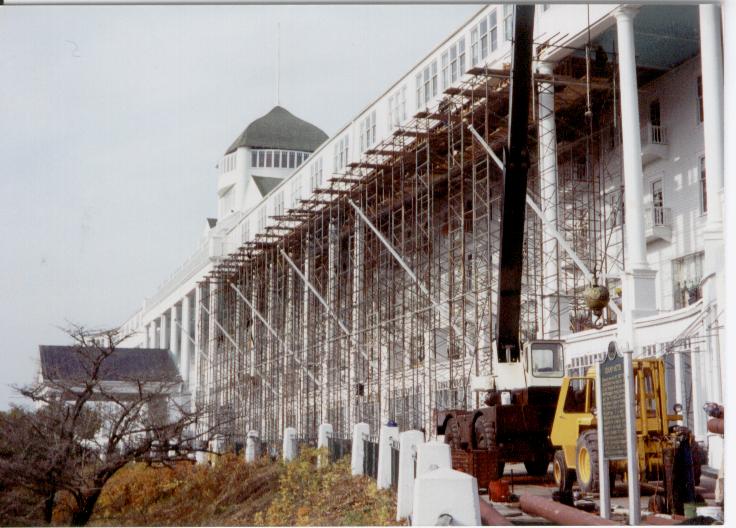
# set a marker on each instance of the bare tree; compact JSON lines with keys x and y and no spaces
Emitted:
{"x":88,"y":426}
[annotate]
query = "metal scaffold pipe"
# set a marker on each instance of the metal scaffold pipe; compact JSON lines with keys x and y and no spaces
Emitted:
{"x":273,"y":332}
{"x":230,"y":338}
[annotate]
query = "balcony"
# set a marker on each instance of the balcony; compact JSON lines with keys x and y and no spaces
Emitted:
{"x":658,"y":224}
{"x":653,"y":143}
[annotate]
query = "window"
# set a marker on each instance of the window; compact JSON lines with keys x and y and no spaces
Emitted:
{"x":292,"y":159}
{"x":657,"y":194}
{"x":508,"y":21}
{"x":254,"y":159}
{"x":284,"y":159}
{"x":426,"y":84}
{"x":493,"y":25}
{"x":278,"y":204}
{"x":277,"y":159}
{"x":245,"y":233}
{"x":420,"y":90}
{"x":262,"y":218}
{"x":703,"y":188}
{"x":340,"y":153}
{"x":269,"y":159}
{"x":296,"y":190}
{"x":261,"y":158}
{"x":547,"y":360}
{"x":575,"y":397}
{"x":701,"y":113}
{"x":655,"y":117}
{"x":483,"y":40}
{"x":445,"y":70}
{"x":315,"y":174}
{"x":687,"y":272}
{"x":474,"y":56}
{"x":368,"y":131}
{"x":402,"y":103}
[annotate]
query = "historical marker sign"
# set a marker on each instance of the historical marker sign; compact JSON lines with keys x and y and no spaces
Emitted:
{"x":613,"y":412}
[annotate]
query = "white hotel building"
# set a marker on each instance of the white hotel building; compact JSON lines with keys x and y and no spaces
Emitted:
{"x":338,"y":333}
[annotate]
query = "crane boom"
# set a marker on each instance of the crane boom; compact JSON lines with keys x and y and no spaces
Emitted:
{"x":516,"y":167}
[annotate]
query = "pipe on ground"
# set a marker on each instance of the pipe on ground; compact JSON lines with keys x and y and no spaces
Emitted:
{"x":559,"y":513}
{"x":489,"y":515}
{"x":656,"y":520}
{"x":715,"y":425}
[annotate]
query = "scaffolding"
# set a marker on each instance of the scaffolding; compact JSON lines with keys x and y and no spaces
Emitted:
{"x":320,"y":319}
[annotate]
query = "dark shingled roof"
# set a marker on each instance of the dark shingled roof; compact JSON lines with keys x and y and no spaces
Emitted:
{"x":280,"y":129}
{"x":124,"y":364}
{"x":265,"y":183}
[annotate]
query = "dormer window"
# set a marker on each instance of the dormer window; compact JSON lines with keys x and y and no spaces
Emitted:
{"x":277,"y":159}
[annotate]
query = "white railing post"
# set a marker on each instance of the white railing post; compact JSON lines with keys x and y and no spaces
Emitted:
{"x":288,"y":451}
{"x":357,"y":453}
{"x":409,"y":442}
{"x":388,"y":434}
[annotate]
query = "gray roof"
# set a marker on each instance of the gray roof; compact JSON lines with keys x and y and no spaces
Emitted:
{"x":71,"y":363}
{"x":212,"y":222}
{"x":280,"y":129}
{"x":265,"y":183}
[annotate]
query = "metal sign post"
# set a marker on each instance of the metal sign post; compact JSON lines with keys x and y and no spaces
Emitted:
{"x":611,"y":417}
{"x":632,"y":458}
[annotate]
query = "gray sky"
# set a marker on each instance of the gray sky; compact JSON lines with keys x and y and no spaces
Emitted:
{"x":113,"y":118}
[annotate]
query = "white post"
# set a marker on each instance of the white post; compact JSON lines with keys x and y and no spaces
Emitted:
{"x":433,"y":455}
{"x":186,"y":339}
{"x":251,"y":446}
{"x":699,"y":418}
{"x":446,"y":492}
{"x":175,"y":331}
{"x":409,"y":441}
{"x":164,"y":331}
{"x":639,"y":287}
{"x":324,"y":431}
{"x":632,"y":459}
{"x":679,"y":392}
{"x":357,"y":453}
{"x":711,"y":57}
{"x":156,"y":333}
{"x":387,"y":434}
{"x":150,"y":333}
{"x":289,"y":446}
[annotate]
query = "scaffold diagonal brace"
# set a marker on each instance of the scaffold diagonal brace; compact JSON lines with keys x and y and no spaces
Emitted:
{"x":273,"y":332}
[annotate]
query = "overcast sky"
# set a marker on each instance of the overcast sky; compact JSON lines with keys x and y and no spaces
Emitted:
{"x":113,"y":118}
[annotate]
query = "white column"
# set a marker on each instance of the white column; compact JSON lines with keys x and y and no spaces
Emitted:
{"x":198,"y":342}
{"x":174,"y":325}
{"x":711,"y":57}
{"x":639,"y":294}
{"x":698,"y":426}
{"x":157,"y":333}
{"x":187,"y":331}
{"x":149,"y":335}
{"x":553,"y":322}
{"x":679,"y":391}
{"x":164,"y":330}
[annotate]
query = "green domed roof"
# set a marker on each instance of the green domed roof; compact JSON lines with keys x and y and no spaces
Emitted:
{"x":280,"y":129}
